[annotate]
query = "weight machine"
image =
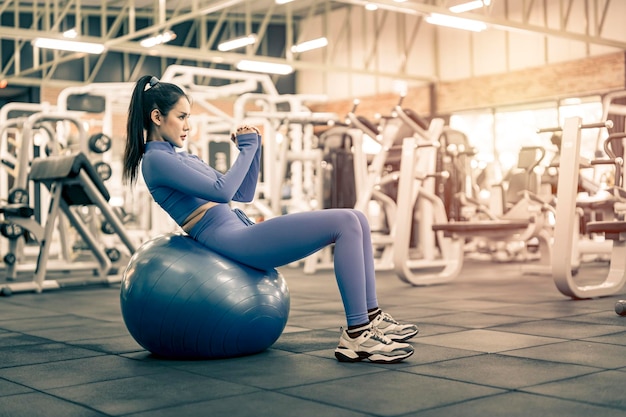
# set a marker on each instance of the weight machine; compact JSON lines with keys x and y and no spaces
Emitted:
{"x":25,"y":161}
{"x":296,"y":156}
{"x":416,"y":207}
{"x":525,"y":217}
{"x":72,"y":181}
{"x":566,"y":227}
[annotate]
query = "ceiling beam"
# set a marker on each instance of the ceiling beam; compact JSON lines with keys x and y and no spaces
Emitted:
{"x":222,"y":10}
{"x":421,"y":9}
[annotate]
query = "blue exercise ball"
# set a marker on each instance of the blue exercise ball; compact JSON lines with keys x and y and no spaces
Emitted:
{"x":181,"y":300}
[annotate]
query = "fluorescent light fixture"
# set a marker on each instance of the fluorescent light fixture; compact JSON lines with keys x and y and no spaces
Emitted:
{"x":456,"y":22}
{"x":401,"y":87}
{"x":267,"y":67}
{"x":308,"y":45}
{"x":72,"y":46}
{"x":237,"y":43}
{"x":70,"y":34}
{"x":470,"y":5}
{"x":159,"y":39}
{"x":282,"y":1}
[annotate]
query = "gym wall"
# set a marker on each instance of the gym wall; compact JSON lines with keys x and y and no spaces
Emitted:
{"x":581,"y":77}
{"x":500,"y":64}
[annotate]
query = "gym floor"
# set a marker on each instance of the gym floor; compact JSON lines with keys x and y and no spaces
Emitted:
{"x":493,"y":342}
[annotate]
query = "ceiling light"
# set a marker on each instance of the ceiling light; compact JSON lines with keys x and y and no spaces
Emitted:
{"x":456,"y":22}
{"x":237,"y":43}
{"x":159,"y":39}
{"x":371,"y":7}
{"x":308,"y":45}
{"x":283,"y":1}
{"x":70,"y":34}
{"x":470,"y":5}
{"x":267,"y":67}
{"x":72,"y":46}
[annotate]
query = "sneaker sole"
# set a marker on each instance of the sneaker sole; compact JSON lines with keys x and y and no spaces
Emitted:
{"x":347,"y":355}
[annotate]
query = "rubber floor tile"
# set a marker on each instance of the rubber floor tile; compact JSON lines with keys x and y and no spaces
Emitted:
{"x":41,"y":353}
{"x":258,"y":404}
{"x":277,"y":372}
{"x":604,"y":388}
{"x":599,"y":355}
{"x":502,"y":371}
{"x":39,"y":404}
{"x":489,"y":341}
{"x":148,"y":392}
{"x":516,"y":404}
{"x":390,"y":393}
{"x":77,"y":371}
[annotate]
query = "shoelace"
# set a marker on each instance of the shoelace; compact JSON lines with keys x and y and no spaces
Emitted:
{"x":387,"y":317}
{"x":378,"y":334}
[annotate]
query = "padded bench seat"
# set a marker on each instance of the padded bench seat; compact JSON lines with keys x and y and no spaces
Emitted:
{"x":611,"y":229}
{"x":492,"y":227}
{"x":65,"y":168}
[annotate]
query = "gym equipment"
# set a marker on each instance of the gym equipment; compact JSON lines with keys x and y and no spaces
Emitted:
{"x":18,"y":222}
{"x":72,"y":181}
{"x":345,"y":141}
{"x":520,"y":198}
{"x":600,"y":203}
{"x":103,"y":169}
{"x":620,"y":307}
{"x":181,"y":300}
{"x":99,"y":143}
{"x":416,"y":190}
{"x":17,"y":156}
{"x":407,"y":158}
{"x":294,"y":162}
{"x":524,"y":219}
{"x":338,"y":169}
{"x":460,"y":190}
{"x":441,"y":257}
{"x":567,"y":223}
{"x":522,"y":180}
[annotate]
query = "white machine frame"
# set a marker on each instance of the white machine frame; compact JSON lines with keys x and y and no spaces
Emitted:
{"x":565,"y":228}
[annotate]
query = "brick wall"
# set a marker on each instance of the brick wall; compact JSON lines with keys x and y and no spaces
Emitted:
{"x":585,"y":76}
{"x":50,"y":94}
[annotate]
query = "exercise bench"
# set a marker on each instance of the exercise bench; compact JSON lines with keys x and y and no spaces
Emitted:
{"x":72,"y":181}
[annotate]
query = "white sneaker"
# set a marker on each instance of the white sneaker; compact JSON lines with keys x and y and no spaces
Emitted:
{"x":394,"y":330}
{"x":372,"y":345}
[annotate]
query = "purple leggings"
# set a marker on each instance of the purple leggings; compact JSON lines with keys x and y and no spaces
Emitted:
{"x":289,"y":238}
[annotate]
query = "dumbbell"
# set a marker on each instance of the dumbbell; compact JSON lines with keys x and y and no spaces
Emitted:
{"x":620,"y":307}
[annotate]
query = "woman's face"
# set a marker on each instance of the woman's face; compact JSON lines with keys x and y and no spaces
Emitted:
{"x":174,"y":126}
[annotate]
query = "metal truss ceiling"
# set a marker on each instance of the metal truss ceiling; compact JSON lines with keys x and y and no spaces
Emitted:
{"x":210,"y":22}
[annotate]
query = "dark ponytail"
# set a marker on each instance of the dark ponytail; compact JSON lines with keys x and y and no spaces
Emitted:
{"x":149,"y":94}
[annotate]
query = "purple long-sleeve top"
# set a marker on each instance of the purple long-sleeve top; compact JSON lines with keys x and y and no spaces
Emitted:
{"x":180,"y":182}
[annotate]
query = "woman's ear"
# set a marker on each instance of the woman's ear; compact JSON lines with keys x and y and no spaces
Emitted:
{"x":155,"y":116}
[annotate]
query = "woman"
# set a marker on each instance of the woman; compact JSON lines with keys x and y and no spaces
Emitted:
{"x":197,"y":197}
